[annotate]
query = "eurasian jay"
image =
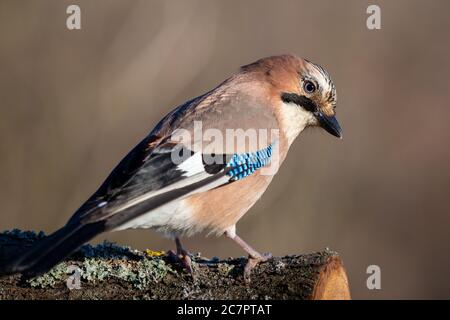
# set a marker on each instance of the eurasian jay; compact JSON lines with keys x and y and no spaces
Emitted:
{"x":179,"y":182}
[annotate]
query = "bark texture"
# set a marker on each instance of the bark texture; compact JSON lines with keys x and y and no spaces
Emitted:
{"x":109,"y":271}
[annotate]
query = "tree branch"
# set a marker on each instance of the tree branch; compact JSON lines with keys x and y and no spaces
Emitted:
{"x":109,"y":271}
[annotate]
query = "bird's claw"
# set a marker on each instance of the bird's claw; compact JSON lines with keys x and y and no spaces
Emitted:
{"x":252,"y":262}
{"x":185,"y":259}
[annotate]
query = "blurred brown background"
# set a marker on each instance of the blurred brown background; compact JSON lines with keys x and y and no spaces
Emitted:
{"x":74,"y":102}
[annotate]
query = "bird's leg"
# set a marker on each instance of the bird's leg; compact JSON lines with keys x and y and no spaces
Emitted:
{"x":183,"y":255}
{"x":254,"y":257}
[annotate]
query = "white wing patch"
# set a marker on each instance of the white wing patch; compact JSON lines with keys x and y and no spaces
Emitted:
{"x":192,"y":165}
{"x":172,"y":217}
{"x":194,"y":172}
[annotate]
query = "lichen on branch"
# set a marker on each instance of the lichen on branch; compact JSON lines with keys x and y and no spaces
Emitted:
{"x":110,"y":271}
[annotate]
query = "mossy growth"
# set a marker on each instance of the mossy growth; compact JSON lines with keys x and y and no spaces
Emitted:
{"x":111,"y":271}
{"x":225,"y":268}
{"x":97,"y":263}
{"x":140,"y":274}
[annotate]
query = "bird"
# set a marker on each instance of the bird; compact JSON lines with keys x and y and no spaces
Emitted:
{"x":178,"y":182}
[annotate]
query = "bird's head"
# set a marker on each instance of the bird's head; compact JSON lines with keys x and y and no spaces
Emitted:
{"x":303,"y":93}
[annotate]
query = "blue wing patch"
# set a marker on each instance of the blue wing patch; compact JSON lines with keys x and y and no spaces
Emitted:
{"x":243,"y":165}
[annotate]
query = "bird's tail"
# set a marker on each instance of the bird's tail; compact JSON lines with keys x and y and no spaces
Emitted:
{"x":48,"y":252}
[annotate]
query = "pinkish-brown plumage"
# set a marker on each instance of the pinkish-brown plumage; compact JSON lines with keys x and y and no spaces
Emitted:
{"x":274,"y":98}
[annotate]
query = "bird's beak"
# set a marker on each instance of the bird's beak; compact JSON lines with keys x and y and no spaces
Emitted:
{"x":329,"y":123}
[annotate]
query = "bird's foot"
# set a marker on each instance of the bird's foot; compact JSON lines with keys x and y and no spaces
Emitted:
{"x":254,"y":257}
{"x":187,"y":263}
{"x":253,"y":261}
{"x":183,"y":258}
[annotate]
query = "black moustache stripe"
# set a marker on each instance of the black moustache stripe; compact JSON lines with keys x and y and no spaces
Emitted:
{"x":301,"y":101}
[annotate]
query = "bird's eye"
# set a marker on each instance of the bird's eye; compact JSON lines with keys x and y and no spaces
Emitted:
{"x":309,"y":87}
